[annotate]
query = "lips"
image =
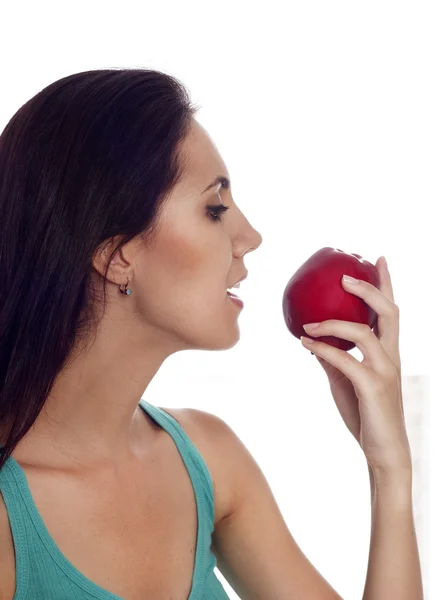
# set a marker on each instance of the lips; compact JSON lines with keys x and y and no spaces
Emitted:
{"x":232,"y":295}
{"x":235,"y":300}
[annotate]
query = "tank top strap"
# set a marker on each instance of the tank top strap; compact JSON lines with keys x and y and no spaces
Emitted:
{"x":11,"y":491}
{"x":194,"y":462}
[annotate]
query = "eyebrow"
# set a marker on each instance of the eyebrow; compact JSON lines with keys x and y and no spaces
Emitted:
{"x":219,"y":179}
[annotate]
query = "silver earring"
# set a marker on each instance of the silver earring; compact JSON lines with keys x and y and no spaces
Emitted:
{"x":126,"y":290}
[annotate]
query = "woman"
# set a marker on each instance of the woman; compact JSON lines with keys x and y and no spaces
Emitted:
{"x":114,"y":256}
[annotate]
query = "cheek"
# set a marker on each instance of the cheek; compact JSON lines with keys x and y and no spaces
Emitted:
{"x":196,"y":259}
{"x":185,"y":271}
{"x":183,"y":261}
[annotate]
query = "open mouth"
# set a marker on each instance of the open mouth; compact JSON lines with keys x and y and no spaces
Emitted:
{"x":232,"y":295}
{"x":236,"y":300}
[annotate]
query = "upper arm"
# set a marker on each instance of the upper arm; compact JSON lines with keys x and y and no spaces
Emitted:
{"x":254,"y":548}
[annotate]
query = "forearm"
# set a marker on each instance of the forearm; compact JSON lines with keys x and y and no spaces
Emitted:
{"x":394,"y":571}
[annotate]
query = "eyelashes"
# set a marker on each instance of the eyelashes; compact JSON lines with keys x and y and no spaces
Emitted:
{"x":216,"y":210}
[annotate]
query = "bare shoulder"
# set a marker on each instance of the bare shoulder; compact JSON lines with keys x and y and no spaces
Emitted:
{"x":254,"y":548}
{"x":214,"y":440}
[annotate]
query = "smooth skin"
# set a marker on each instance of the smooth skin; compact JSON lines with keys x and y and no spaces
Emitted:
{"x":95,"y":440}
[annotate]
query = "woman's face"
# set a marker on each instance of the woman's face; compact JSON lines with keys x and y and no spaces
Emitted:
{"x":180,"y":278}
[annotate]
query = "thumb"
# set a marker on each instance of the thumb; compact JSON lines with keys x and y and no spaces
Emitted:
{"x":334,"y":375}
{"x":324,"y":364}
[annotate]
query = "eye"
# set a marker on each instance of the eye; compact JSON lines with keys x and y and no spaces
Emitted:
{"x":216,"y":210}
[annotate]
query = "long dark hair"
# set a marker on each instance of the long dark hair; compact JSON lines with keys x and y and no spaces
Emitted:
{"x":91,"y":157}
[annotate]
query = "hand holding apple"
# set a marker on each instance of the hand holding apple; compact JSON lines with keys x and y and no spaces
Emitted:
{"x":315,"y":293}
{"x":368,"y":394}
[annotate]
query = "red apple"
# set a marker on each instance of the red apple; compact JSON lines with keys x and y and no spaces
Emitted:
{"x":315,"y":294}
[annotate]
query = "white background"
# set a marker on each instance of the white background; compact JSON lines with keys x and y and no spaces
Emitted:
{"x":329,"y":117}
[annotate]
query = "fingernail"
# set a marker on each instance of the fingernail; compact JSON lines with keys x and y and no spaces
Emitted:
{"x":349,"y":279}
{"x":310,"y":326}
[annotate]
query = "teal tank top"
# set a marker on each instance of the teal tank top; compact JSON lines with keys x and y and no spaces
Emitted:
{"x":44,"y":573}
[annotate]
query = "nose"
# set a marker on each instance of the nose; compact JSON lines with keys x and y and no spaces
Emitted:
{"x":249,"y":241}
{"x":257,"y":239}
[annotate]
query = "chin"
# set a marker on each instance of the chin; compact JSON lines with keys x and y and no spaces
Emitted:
{"x":224,"y":339}
{"x":213,"y":330}
{"x":217,"y":337}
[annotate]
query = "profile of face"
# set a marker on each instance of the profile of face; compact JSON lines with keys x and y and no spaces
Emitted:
{"x":179,"y":279}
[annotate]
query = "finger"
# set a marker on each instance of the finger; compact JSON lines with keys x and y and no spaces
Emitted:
{"x":343,"y":361}
{"x":386,"y":287}
{"x":385,"y":280}
{"x":364,"y":338}
{"x":385,"y":308}
{"x":333,"y":374}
